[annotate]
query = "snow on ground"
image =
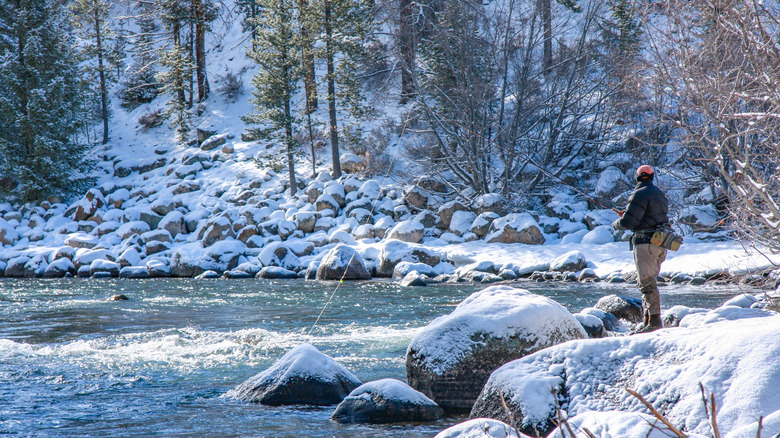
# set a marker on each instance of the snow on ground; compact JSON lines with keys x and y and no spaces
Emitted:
{"x":732,"y":352}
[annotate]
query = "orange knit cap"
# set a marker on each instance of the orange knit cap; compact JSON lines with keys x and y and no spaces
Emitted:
{"x":644,"y":169}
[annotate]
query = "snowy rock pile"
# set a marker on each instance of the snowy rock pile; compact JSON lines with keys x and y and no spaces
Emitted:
{"x":187,"y":212}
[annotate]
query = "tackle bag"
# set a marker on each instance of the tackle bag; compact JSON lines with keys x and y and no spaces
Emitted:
{"x":666,"y":238}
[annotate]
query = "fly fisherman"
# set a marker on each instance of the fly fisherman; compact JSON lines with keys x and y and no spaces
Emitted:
{"x":647,"y":210}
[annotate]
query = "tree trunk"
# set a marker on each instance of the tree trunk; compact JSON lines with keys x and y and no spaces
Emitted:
{"x":407,"y":36}
{"x":200,"y":51}
{"x":547,"y":24}
{"x":289,"y":141}
{"x":102,"y":73}
{"x":309,"y":76}
{"x":334,"y":133}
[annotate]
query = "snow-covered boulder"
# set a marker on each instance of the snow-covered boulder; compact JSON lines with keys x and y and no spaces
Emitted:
{"x":81,"y":240}
{"x":134,"y":272}
{"x":481,"y":428}
{"x":407,"y":231}
{"x":447,"y":209}
{"x":14,"y":268}
{"x":8,"y":234}
{"x":403,"y":268}
{"x":351,"y":163}
{"x":413,"y":279}
{"x":492,"y":202}
{"x":85,"y":257}
{"x":341,"y":236}
{"x":327,"y":202}
{"x":370,"y":190}
{"x":515,"y":228}
{"x":342,"y":262}
{"x":570,"y":261}
{"x":461,"y":222}
{"x":134,"y":227}
{"x":302,"y":376}
{"x":275,"y":272}
{"x":622,"y":307}
{"x":386,"y":401}
{"x":451,"y":359}
{"x":88,"y":205}
{"x":728,"y":357}
{"x":100,"y":265}
{"x":59,"y":268}
{"x":481,"y":224}
{"x":396,"y":251}
{"x":173,"y":223}
{"x":416,"y":197}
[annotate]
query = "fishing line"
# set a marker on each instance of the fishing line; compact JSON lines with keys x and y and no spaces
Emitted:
{"x":373,"y":207}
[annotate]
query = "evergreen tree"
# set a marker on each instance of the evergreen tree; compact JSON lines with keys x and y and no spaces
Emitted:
{"x":140,"y":84}
{"x":175,"y":58}
{"x":277,"y":53}
{"x":91,"y":21}
{"x":39,"y":105}
{"x":349,"y":27}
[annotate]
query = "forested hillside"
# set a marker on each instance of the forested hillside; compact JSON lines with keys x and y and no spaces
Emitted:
{"x":525,"y":98}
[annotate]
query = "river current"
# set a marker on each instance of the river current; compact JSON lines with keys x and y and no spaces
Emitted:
{"x":74,"y":363}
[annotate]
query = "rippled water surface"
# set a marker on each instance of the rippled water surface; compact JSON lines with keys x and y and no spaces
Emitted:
{"x":73,"y":363}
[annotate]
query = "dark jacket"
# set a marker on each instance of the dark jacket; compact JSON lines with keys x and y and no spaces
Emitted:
{"x":647,"y":209}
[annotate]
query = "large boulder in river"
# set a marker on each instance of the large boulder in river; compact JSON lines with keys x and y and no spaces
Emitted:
{"x":451,"y":359}
{"x":386,"y":401}
{"x":515,"y":228}
{"x":628,"y":308}
{"x":396,"y":251}
{"x":342,"y":263}
{"x":302,"y":376}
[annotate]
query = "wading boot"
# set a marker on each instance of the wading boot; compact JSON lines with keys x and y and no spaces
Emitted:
{"x":654,"y":323}
{"x":645,"y":323}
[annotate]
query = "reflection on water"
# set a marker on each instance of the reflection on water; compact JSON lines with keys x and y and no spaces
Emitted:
{"x":73,"y":363}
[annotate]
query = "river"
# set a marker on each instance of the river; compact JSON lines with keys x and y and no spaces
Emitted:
{"x":74,"y":363}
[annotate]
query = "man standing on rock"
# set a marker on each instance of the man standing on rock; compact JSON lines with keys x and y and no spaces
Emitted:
{"x":646,"y":211}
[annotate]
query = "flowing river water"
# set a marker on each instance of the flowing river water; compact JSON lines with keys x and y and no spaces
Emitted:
{"x":74,"y":363}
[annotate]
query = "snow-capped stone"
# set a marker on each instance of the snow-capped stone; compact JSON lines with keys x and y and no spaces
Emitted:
{"x":396,"y":251}
{"x":85,"y":257}
{"x":101,"y":265}
{"x":351,"y":163}
{"x":63,"y":252}
{"x":342,"y":262}
{"x":481,"y":428}
{"x":81,"y":240}
{"x":209,"y":275}
{"x":481,"y":224}
{"x":671,"y":317}
{"x":608,"y":320}
{"x":302,"y":376}
{"x":515,"y":228}
{"x":335,"y":190}
{"x":407,"y":231}
{"x":382,"y":226}
{"x":108,"y":227}
{"x":451,"y":358}
{"x":130,"y":228}
{"x":313,"y":191}
{"x":286,"y":228}
{"x":743,"y":300}
{"x":217,"y":229}
{"x":88,"y":205}
{"x":416,"y":197}
{"x":327,"y":202}
{"x":158,"y":269}
{"x":213,"y":142}
{"x":341,"y":236}
{"x":386,"y":401}
{"x":134,"y":272}
{"x":461,"y":221}
{"x":8,"y":235}
{"x":370,"y":189}
{"x":403,"y":268}
{"x":306,"y":220}
{"x":627,"y":308}
{"x":173,"y":223}
{"x":447,"y":209}
{"x":278,"y":254}
{"x":413,"y":279}
{"x":570,"y":261}
{"x":275,"y":272}
{"x":490,"y":202}
{"x":592,"y":325}
{"x":365,"y":231}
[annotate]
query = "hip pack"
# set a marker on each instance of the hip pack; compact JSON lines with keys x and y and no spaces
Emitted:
{"x":666,"y":238}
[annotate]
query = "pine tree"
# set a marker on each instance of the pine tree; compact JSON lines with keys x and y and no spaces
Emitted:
{"x":90,"y":19}
{"x":277,"y":53}
{"x":175,"y":58}
{"x":348,"y":29}
{"x":40,"y":103}
{"x":140,"y":84}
